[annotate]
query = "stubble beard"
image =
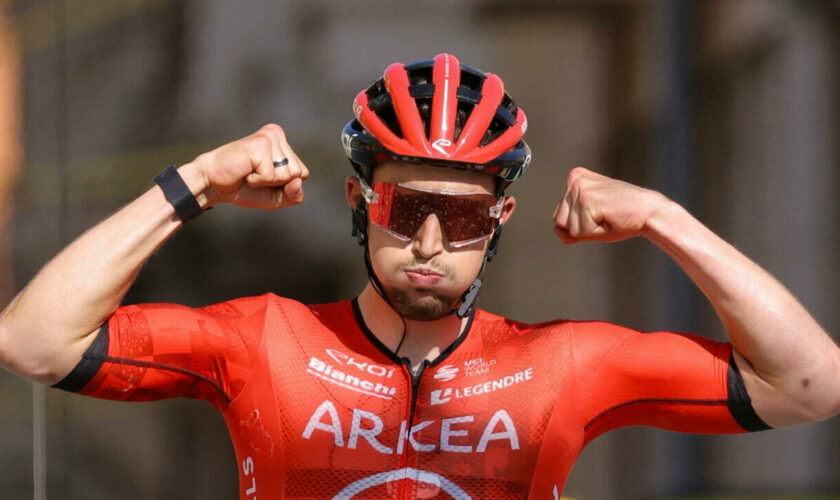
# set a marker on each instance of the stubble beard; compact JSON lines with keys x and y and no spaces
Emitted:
{"x":427,"y":307}
{"x":422,"y":304}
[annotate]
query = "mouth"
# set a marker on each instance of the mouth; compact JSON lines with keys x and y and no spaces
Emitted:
{"x":423,"y":276}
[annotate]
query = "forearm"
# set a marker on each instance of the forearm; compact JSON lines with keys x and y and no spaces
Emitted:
{"x":45,"y":330}
{"x":791,"y":367}
{"x":47,"y":327}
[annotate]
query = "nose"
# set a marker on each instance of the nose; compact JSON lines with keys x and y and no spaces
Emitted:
{"x":428,"y":240}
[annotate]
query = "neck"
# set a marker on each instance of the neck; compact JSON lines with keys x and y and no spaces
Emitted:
{"x":424,"y":340}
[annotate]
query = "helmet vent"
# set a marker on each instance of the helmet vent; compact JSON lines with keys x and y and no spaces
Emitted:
{"x":389,"y":118}
{"x":509,"y":105}
{"x":496,"y":128}
{"x":464,"y":110}
{"x":424,"y":106}
{"x":466,"y":94}
{"x":419,"y":64}
{"x":376,"y":89}
{"x":471,"y":78}
{"x":419,"y":75}
{"x":422,"y":90}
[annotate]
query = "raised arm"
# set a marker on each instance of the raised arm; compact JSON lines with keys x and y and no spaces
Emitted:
{"x":790,"y":366}
{"x":47,"y":327}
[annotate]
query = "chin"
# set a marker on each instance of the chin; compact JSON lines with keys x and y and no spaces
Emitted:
{"x":422,"y":306}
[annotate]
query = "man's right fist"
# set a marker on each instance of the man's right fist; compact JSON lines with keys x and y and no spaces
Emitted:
{"x":257,"y":171}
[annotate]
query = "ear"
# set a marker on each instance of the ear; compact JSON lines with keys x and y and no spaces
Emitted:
{"x":507,"y":209}
{"x":352,"y":191}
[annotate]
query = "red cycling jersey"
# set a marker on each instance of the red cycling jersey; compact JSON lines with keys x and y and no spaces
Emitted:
{"x":318,"y":408}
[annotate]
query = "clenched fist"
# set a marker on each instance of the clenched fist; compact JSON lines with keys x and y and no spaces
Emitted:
{"x":257,"y":171}
{"x":599,"y":208}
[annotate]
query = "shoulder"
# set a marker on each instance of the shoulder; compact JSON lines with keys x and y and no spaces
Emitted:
{"x":494,"y":326}
{"x":297,"y":315}
{"x":588,"y":327}
{"x":270,"y":308}
{"x":583,"y":332}
{"x":260,"y":304}
{"x":239,"y":307}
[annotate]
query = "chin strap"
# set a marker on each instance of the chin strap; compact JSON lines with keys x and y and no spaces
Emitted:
{"x":360,"y":232}
{"x":471,"y":295}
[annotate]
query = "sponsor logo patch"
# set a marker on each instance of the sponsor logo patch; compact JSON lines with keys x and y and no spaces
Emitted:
{"x":446,"y":373}
{"x":441,"y":396}
{"x":478,"y":366}
{"x":355,"y":379}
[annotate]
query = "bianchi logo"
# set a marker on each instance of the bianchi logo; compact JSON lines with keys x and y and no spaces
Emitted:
{"x":354,"y":374}
{"x":446,"y":373}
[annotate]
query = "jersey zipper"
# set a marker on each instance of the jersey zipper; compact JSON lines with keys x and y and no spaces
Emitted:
{"x":415,"y":377}
{"x":415,"y":385}
{"x":406,"y":490}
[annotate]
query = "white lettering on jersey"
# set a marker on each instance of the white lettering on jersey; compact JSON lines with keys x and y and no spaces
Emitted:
{"x":334,"y":426}
{"x":441,"y":396}
{"x":344,"y":359}
{"x":478,"y":366}
{"x":329,"y":373}
{"x":410,"y":436}
{"x":451,"y":429}
{"x":446,"y":433}
{"x":356,"y":430}
{"x":248,"y":470}
{"x":508,"y":433}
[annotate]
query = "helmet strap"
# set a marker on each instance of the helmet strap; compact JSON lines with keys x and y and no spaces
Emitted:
{"x":360,"y":232}
{"x":360,"y":224}
{"x":471,"y":295}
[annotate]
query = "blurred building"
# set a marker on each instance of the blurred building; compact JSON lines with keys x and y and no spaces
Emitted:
{"x":729,"y":107}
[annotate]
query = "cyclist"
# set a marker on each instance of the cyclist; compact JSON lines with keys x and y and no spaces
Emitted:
{"x":408,"y":390}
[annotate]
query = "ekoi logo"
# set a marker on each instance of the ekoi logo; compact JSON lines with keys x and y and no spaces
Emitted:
{"x":446,"y":373}
{"x":430,"y":484}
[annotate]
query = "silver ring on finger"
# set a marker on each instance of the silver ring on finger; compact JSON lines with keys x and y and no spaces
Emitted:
{"x":280,"y":162}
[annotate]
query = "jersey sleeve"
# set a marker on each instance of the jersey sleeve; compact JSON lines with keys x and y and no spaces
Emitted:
{"x":673,"y":381}
{"x":148,"y":352}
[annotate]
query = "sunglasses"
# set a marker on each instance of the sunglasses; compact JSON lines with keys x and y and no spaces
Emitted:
{"x":401,"y":210}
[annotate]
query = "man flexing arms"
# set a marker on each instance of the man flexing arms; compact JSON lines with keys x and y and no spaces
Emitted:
{"x":408,"y":390}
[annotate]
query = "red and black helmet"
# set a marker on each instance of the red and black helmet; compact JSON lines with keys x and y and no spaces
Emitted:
{"x":438,"y":112}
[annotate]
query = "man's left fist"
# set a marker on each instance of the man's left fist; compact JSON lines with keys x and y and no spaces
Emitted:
{"x":599,"y":208}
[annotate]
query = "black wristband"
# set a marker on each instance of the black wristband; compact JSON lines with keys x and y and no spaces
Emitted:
{"x":177,"y":193}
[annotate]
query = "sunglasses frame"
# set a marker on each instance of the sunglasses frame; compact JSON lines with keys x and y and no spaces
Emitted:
{"x":371,"y":197}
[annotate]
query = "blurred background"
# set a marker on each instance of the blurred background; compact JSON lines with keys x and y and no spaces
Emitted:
{"x":729,"y":107}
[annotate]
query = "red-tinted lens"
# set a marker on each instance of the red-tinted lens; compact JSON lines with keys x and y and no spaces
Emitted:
{"x":403,"y":209}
